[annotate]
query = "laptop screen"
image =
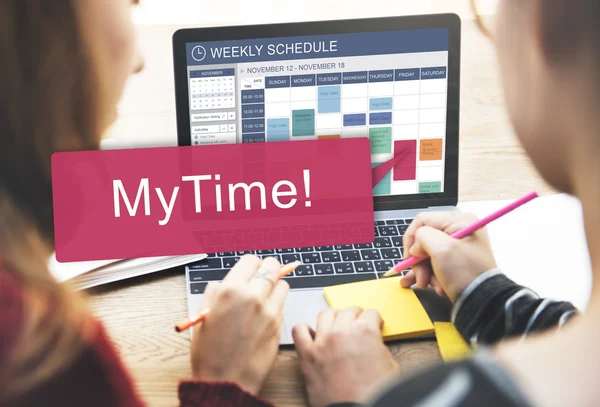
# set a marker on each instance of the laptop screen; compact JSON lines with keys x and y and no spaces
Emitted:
{"x":389,"y":86}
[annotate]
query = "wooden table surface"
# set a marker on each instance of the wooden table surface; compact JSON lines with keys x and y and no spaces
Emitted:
{"x":140,"y":313}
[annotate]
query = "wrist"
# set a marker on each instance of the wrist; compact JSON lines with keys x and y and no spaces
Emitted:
{"x":470,"y":288}
{"x":461,"y":284}
{"x":458,"y":287}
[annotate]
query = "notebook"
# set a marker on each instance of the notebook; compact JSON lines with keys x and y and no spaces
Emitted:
{"x":88,"y":274}
{"x":402,"y":313}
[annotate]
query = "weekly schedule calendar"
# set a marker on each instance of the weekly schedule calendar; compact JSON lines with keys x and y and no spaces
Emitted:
{"x":388,"y":86}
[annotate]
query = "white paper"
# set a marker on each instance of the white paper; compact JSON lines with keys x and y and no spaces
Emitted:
{"x":66,"y":271}
{"x":542,"y":245}
{"x":132,"y":268}
{"x":88,"y":274}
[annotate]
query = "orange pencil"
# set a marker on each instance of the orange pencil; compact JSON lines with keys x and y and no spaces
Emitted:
{"x":188,"y":323}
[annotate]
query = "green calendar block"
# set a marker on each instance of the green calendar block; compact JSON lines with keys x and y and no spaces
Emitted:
{"x":430,"y":187}
{"x":303,"y":122}
{"x":381,"y":140}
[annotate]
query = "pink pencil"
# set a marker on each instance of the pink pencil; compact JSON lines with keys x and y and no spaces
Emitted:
{"x":411,"y":261}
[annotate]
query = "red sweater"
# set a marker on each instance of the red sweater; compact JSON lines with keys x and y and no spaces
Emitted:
{"x":97,"y":377}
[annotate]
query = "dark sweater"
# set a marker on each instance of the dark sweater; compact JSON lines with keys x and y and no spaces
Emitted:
{"x":97,"y":377}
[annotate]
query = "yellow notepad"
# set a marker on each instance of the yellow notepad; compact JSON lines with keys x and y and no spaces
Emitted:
{"x":403,"y":315}
{"x":451,"y":343}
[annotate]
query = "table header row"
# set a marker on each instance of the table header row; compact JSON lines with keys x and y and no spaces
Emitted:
{"x":337,"y":78}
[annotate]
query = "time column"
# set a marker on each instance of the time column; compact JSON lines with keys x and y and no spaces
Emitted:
{"x":253,"y":110}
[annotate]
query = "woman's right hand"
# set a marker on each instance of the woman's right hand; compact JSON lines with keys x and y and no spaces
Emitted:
{"x":239,"y":339}
{"x":453,"y":263}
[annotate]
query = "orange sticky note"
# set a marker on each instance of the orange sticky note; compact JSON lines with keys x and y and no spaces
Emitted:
{"x":431,"y":149}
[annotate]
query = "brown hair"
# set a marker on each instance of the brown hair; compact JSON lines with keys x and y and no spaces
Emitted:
{"x":49,"y":101}
{"x":571,"y":27}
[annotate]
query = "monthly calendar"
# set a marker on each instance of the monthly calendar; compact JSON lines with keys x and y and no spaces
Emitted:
{"x":212,"y":92}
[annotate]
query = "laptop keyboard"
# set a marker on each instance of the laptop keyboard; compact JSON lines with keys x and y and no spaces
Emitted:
{"x":322,"y":265}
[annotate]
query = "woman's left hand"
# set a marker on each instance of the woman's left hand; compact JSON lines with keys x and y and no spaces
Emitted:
{"x":239,"y":339}
{"x":345,"y":359}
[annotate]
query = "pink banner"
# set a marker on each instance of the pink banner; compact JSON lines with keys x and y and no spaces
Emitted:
{"x":182,"y":200}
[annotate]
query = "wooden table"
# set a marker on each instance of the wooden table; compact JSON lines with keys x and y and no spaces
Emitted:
{"x":140,"y":313}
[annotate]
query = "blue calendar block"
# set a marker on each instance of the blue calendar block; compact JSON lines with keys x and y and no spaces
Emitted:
{"x":329,"y":99}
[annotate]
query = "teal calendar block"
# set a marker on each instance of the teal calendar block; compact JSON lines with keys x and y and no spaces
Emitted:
{"x":303,"y":122}
{"x":385,"y":185}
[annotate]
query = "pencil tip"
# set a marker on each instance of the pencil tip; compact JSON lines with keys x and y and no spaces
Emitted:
{"x":293,"y":264}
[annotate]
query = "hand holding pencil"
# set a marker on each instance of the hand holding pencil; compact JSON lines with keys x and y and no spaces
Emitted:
{"x":451,"y":249}
{"x":201,"y":316}
{"x":238,"y":339}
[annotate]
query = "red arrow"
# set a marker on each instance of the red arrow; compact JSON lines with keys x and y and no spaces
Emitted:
{"x":379,"y":172}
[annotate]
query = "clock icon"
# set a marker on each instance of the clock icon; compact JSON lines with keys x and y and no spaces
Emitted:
{"x":198,"y":53}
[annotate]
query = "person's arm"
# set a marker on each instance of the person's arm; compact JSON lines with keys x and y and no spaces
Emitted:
{"x":234,"y":349}
{"x":470,"y":383}
{"x":459,"y":269}
{"x":487,"y":305}
{"x":192,"y":393}
{"x":493,"y":307}
{"x":346,"y":361}
{"x":97,"y":377}
{"x":475,"y":382}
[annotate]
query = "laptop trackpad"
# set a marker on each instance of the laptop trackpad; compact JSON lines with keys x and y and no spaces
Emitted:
{"x":301,"y":306}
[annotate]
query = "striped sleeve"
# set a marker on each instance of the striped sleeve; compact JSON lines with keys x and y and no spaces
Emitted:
{"x":475,"y":382}
{"x":493,"y":307}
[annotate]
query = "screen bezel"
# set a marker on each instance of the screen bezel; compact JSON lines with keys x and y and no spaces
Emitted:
{"x":450,"y":21}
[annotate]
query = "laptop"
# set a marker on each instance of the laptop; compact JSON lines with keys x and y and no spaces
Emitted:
{"x":394,"y":80}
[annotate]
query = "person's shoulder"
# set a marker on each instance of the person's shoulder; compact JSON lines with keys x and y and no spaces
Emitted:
{"x":11,"y":309}
{"x":97,"y":367}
